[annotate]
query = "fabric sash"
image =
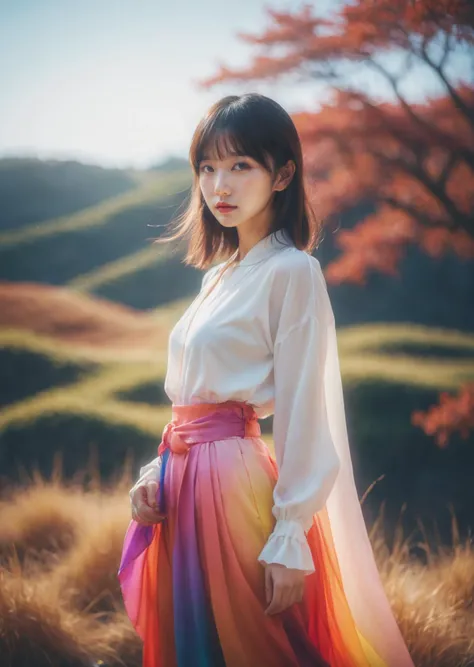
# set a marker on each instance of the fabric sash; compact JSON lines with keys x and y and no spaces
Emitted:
{"x":190,"y":425}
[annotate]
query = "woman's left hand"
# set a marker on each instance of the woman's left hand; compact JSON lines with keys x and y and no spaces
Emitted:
{"x":283,"y":587}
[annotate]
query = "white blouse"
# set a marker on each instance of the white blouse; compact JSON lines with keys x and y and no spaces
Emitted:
{"x":260,"y":336}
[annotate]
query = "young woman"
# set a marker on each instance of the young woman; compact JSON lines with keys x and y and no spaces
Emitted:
{"x":234,"y":558}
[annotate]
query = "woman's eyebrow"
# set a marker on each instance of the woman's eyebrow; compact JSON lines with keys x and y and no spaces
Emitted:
{"x":206,"y":157}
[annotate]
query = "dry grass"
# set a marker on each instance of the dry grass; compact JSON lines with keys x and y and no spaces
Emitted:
{"x":432,"y":601}
{"x":60,"y":543}
{"x":60,"y":602}
{"x":37,"y":628}
{"x":59,"y":595}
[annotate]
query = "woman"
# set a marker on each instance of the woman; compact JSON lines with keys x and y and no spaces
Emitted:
{"x":234,"y":558}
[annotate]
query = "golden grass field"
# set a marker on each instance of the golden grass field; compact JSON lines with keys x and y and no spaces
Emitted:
{"x":60,"y":603}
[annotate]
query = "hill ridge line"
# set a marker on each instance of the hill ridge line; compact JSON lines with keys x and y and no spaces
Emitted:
{"x":154,"y":188}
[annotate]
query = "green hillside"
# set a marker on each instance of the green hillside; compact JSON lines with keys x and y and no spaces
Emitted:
{"x":104,"y":243}
{"x":33,"y":190}
{"x":117,"y":390}
{"x":105,"y":246}
{"x":80,"y":373}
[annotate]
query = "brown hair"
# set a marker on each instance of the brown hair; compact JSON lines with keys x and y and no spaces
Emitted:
{"x":257,"y":126}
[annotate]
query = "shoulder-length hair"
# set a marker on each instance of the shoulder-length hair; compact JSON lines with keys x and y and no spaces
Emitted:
{"x":256,"y":126}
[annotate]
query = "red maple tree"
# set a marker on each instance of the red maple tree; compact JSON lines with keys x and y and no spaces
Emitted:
{"x":414,"y":162}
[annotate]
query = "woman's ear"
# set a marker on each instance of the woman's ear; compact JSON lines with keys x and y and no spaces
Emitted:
{"x":284,"y":176}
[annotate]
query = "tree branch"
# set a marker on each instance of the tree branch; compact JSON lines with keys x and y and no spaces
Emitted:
{"x":416,"y":214}
{"x":459,"y":103}
{"x":458,"y":219}
{"x":446,"y":51}
{"x":466,"y":155}
{"x":449,"y":165}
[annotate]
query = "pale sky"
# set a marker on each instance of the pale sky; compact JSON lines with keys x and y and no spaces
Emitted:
{"x":111,"y":81}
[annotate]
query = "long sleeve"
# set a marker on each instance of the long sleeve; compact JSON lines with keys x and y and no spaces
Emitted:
{"x":306,"y":456}
{"x":148,"y":472}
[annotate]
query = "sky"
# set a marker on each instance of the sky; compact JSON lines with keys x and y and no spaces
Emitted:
{"x":114,"y":82}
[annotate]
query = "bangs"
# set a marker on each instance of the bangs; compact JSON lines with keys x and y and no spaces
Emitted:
{"x":255,"y":126}
{"x":228,"y":134}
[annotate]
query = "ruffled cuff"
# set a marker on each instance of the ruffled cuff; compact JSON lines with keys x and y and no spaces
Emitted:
{"x":287,"y":545}
{"x":148,"y":472}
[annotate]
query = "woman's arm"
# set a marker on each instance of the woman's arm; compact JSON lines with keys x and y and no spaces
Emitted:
{"x":148,"y":473}
{"x":305,"y":453}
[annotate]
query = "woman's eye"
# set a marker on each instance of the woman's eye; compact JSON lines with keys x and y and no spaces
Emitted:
{"x":242,"y":166}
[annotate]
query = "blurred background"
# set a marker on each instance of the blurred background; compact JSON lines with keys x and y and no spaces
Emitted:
{"x":98,"y":105}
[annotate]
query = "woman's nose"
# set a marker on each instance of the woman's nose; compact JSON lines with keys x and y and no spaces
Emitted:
{"x":221,"y":185}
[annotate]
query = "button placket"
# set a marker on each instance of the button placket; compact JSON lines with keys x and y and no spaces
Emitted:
{"x":241,"y":265}
{"x":191,"y":319}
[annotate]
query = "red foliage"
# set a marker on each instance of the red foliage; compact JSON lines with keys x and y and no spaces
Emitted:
{"x":414,"y":163}
{"x":452,"y":414}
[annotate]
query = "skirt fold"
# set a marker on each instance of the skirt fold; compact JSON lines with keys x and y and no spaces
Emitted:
{"x":235,"y":582}
{"x":194,"y":589}
{"x":195,"y":633}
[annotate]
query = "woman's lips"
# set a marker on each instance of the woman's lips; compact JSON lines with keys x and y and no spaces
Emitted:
{"x":225,"y":209}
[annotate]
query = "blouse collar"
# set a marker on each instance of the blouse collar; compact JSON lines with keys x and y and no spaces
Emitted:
{"x":267,"y":246}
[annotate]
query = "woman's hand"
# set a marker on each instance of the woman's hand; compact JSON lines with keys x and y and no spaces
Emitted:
{"x":144,"y":505}
{"x":283,"y":587}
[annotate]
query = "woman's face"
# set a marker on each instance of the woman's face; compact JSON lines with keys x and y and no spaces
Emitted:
{"x":240,"y":181}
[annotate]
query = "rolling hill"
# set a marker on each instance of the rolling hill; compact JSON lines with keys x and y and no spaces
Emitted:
{"x":87,"y":302}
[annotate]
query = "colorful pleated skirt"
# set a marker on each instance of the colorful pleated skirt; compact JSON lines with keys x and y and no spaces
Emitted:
{"x":192,"y":585}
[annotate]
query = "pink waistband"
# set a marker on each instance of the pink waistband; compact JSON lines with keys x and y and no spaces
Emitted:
{"x":204,"y":422}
